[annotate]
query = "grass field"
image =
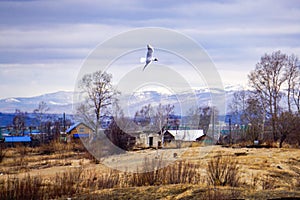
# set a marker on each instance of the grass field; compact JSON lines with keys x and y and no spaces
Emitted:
{"x":59,"y":171}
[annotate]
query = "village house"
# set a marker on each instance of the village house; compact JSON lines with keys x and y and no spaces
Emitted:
{"x":184,"y":138}
{"x":206,"y":139}
{"x":13,"y":141}
{"x":79,"y":130}
{"x":146,"y":140}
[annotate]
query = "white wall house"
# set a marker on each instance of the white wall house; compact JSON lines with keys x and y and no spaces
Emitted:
{"x":149,"y":140}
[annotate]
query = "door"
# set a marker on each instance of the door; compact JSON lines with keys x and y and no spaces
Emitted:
{"x":150,"y":141}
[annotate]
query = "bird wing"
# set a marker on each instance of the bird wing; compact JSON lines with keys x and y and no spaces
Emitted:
{"x":149,"y":55}
{"x":149,"y":52}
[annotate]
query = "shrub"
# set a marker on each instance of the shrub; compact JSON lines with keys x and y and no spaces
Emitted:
{"x":180,"y":172}
{"x":222,"y":171}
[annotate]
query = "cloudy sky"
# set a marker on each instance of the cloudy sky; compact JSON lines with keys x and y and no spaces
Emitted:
{"x":43,"y":44}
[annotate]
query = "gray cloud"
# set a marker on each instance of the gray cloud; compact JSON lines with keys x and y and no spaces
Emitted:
{"x":56,"y":36}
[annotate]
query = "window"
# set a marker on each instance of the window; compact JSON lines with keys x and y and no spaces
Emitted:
{"x":81,"y":130}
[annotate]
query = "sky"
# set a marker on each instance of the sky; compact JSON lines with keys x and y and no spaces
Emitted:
{"x":43,"y":44}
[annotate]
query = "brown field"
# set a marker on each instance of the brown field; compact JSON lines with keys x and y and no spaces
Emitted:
{"x":60,"y":171}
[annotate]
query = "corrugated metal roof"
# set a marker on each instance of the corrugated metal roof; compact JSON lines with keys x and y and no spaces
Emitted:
{"x":72,"y":127}
{"x":186,"y":135}
{"x":17,"y":139}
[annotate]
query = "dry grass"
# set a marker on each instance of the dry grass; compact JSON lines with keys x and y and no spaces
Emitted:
{"x":75,"y":174}
{"x":79,"y":181}
{"x":178,"y":173}
{"x":223,"y":170}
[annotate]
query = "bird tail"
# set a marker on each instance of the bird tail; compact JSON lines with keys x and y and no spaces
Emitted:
{"x":142,"y":60}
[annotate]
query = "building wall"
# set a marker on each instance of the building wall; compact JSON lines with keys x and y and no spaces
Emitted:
{"x":81,"y":129}
{"x":145,"y":140}
{"x":155,"y":140}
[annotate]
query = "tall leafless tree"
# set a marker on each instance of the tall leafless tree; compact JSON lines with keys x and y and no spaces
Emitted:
{"x":162,"y":115}
{"x":267,"y":80}
{"x":99,"y":95}
{"x":292,"y":73}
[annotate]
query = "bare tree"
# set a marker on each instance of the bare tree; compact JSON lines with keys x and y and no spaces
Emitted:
{"x":99,"y":95}
{"x":143,"y":116}
{"x":19,"y":121}
{"x":40,"y":111}
{"x":121,"y":129}
{"x":238,"y":106}
{"x":119,"y":136}
{"x":162,"y":115}
{"x":255,"y":117}
{"x":267,"y":80}
{"x":296,"y":94}
{"x":202,"y":117}
{"x":292,"y":73}
{"x":294,"y":137}
{"x":247,"y":109}
{"x":287,"y":125}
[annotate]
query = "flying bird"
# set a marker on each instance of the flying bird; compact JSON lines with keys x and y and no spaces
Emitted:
{"x":149,"y":57}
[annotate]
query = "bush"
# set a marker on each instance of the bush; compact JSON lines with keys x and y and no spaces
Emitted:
{"x":180,"y":172}
{"x":223,"y":171}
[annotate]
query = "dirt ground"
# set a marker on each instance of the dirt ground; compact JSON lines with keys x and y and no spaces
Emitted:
{"x":272,"y":172}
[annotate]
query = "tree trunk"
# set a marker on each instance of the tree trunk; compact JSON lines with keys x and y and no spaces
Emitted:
{"x":282,"y":138}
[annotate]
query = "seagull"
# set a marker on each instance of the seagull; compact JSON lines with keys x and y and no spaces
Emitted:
{"x":149,"y":58}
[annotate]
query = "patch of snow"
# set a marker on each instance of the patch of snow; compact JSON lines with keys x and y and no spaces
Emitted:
{"x":12,"y":100}
{"x":57,"y":103}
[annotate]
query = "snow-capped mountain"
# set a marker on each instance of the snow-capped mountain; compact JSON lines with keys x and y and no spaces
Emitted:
{"x":58,"y":102}
{"x":62,"y":101}
{"x":182,"y":101}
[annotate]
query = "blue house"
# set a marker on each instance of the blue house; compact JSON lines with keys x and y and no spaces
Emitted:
{"x":17,"y":139}
{"x":13,"y":140}
{"x":79,"y":130}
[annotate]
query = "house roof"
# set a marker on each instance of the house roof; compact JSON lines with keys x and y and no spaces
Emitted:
{"x":186,"y":135}
{"x":17,"y":139}
{"x":73,"y":127}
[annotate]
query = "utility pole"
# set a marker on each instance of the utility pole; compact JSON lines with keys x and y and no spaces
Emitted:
{"x":213,"y":125}
{"x":64,"y":122}
{"x":230,"y":130}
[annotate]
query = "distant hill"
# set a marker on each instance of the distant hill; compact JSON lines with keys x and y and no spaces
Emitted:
{"x":61,"y":102}
{"x":58,"y":102}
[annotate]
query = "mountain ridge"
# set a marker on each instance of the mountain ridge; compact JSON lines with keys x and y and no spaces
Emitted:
{"x":58,"y":102}
{"x":62,"y":101}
